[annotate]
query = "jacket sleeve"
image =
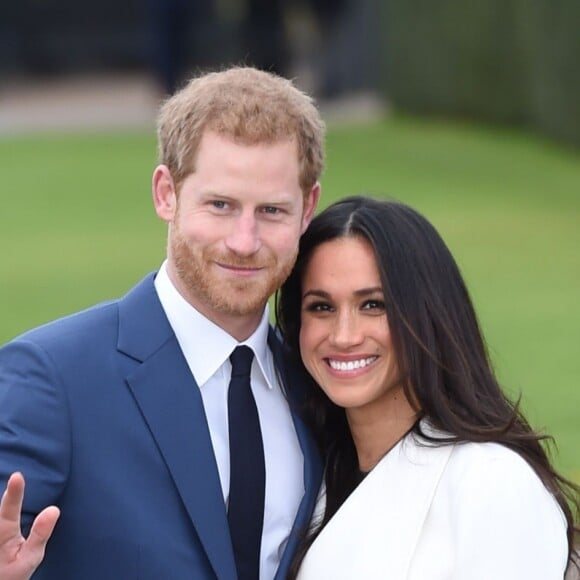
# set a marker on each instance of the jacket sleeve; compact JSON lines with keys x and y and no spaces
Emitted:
{"x":34,"y":425}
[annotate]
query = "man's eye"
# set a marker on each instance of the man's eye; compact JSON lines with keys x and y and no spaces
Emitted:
{"x":271,"y":210}
{"x":219,"y":204}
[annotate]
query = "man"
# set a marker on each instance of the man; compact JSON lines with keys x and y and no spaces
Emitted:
{"x":118,"y":415}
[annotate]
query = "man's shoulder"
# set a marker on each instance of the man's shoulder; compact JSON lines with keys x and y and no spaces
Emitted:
{"x":77,"y":330}
{"x":89,"y":324}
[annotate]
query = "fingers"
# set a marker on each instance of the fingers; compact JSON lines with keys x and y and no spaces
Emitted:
{"x":19,"y":558}
{"x":11,"y":503}
{"x":42,"y":528}
{"x":10,"y":510}
{"x":11,"y":507}
{"x":32,"y":551}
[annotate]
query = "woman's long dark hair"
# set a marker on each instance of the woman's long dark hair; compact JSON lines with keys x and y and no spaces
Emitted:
{"x":437,"y":342}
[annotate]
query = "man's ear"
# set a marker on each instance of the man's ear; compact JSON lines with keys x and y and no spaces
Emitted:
{"x":310,"y":204}
{"x":164,"y":195}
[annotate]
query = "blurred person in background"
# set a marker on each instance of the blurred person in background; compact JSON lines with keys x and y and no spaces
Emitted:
{"x":174,"y":26}
{"x":119,"y":417}
{"x":265,"y":41}
{"x":431,"y":472}
{"x":268,"y":44}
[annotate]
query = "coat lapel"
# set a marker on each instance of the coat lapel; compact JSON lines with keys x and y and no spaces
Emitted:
{"x":375,"y":532}
{"x":171,"y":405}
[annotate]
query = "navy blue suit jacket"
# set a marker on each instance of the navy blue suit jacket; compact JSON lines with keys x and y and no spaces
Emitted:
{"x":101,"y":414}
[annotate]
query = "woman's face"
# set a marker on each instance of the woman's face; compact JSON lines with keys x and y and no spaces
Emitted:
{"x":345,"y":340}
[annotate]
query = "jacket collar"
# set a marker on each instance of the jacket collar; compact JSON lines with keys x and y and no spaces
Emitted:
{"x":390,"y":506}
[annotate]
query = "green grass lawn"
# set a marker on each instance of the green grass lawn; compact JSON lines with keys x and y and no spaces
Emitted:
{"x":77,"y":226}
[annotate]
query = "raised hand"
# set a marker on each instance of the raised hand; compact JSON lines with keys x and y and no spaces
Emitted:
{"x":19,"y":556}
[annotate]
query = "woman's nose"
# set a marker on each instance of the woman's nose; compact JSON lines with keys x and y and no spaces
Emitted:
{"x":346,"y":331}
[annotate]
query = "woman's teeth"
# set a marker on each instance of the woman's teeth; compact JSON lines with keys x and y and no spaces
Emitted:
{"x":351,"y":365}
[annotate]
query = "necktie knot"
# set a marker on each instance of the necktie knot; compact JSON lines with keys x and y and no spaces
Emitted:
{"x":241,"y":360}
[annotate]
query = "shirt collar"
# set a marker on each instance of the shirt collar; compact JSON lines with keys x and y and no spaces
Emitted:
{"x":206,"y":355}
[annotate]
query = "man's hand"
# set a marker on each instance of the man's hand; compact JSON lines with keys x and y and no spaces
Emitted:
{"x":19,"y":557}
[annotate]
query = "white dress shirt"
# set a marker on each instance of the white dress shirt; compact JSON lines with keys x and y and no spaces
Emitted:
{"x":207,"y":348}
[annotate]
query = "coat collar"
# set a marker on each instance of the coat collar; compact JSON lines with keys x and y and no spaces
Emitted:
{"x":390,"y":507}
{"x":143,"y":326}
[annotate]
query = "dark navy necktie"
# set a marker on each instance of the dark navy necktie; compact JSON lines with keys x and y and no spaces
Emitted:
{"x":247,"y":468}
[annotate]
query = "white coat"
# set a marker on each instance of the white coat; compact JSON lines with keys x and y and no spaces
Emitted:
{"x":469,"y":511}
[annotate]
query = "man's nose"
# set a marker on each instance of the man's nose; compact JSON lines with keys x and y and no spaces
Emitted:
{"x":244,"y":239}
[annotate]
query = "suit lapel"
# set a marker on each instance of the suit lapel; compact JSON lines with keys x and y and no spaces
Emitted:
{"x":171,"y":405}
{"x":294,"y":384}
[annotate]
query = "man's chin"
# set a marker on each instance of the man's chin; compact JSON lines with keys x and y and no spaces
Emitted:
{"x":239,"y":309}
{"x":241,"y":301}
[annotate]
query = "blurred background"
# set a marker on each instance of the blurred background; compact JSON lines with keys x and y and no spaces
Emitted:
{"x":468,"y":111}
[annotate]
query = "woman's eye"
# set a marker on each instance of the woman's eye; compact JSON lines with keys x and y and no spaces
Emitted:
{"x":374,"y":305}
{"x":318,"y":307}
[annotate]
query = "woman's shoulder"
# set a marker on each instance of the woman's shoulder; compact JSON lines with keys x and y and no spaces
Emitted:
{"x":489,"y":461}
{"x":481,"y":460}
{"x":492,"y":472}
{"x":491,"y":476}
{"x":489,"y":455}
{"x":492,"y":487}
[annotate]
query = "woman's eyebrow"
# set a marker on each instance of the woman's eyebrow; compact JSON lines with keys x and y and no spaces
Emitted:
{"x":360,"y":293}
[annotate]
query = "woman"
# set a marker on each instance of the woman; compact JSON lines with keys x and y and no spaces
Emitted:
{"x":431,"y":473}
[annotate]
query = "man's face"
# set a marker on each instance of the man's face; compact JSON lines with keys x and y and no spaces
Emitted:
{"x":234,"y":227}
